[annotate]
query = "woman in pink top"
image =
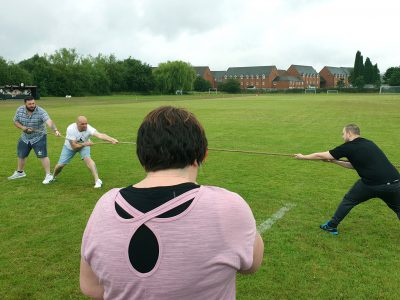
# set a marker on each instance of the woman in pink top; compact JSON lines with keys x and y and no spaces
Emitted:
{"x":166,"y":237}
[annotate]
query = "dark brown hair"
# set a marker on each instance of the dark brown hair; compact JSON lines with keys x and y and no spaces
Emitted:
{"x":170,"y":138}
{"x":29,"y":98}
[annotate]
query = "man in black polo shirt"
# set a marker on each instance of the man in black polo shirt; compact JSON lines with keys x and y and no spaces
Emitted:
{"x":379,"y":178}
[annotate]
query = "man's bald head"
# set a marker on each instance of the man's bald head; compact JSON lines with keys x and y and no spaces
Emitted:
{"x":81,"y":122}
{"x":81,"y":119}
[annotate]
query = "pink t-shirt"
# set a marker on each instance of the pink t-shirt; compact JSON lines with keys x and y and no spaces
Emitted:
{"x":200,"y":250}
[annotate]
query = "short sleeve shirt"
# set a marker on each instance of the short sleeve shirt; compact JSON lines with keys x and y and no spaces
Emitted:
{"x":200,"y":250}
{"x":368,"y":160}
{"x":36,"y":121}
{"x":73,"y":134}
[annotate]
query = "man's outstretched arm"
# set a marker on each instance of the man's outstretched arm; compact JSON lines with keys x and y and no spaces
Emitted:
{"x":315,"y":156}
{"x":325,"y":156}
{"x":105,"y":137}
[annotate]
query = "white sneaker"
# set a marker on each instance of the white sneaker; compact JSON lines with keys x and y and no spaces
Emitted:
{"x":98,"y":184}
{"x":17,"y":175}
{"x":48,"y":179}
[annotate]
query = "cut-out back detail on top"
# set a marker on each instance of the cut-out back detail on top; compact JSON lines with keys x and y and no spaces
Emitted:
{"x":144,"y":260}
{"x":169,"y":214}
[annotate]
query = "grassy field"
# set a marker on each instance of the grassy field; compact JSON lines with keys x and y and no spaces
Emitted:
{"x":41,"y":226}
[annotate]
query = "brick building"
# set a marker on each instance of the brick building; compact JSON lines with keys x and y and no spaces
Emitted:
{"x":267,"y":77}
{"x":286,"y":81}
{"x":259,"y":77}
{"x":206,"y":74}
{"x":219,"y":77}
{"x":331,"y":76}
{"x":307,"y":74}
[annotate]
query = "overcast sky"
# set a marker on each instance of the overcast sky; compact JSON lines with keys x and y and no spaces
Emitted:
{"x":214,"y":33}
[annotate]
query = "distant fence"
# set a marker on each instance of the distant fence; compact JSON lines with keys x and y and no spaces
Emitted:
{"x":318,"y":91}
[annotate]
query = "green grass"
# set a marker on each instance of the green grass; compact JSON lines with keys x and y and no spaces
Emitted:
{"x":41,"y":226}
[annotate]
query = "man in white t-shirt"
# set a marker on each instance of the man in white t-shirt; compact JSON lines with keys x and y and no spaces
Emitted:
{"x":78,"y":140}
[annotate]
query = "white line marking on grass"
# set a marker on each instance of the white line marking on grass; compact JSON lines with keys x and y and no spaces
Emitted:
{"x":267,"y":224}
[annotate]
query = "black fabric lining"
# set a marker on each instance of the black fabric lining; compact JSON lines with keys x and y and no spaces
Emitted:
{"x":144,"y":248}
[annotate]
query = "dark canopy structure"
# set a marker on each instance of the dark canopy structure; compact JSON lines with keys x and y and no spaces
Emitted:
{"x":18,"y":92}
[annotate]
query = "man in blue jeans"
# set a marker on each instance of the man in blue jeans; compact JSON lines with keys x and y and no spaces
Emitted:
{"x":31,"y":119}
{"x":379,"y":178}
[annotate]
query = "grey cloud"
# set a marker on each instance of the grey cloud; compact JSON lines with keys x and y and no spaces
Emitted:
{"x":217,"y":33}
{"x":175,"y":17}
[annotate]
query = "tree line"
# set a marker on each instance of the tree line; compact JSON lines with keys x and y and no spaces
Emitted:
{"x":367,"y":73}
{"x":66,"y":72}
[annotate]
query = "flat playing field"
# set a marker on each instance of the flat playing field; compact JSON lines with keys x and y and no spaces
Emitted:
{"x":41,"y":226}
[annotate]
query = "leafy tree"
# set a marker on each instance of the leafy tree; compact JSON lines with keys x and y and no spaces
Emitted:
{"x":359,"y":81}
{"x":18,"y":75}
{"x":92,"y":76}
{"x":3,"y":72}
{"x":358,"y":67}
{"x":395,"y":77}
{"x":368,"y":71}
{"x":364,"y":73}
{"x":102,"y":83}
{"x":42,"y":72}
{"x":388,"y":74}
{"x":65,"y":57}
{"x":115,"y":72}
{"x":174,"y":75}
{"x":11,"y":73}
{"x":376,"y":75}
{"x":138,"y":77}
{"x":231,"y":86}
{"x":66,"y":73}
{"x":201,"y":85}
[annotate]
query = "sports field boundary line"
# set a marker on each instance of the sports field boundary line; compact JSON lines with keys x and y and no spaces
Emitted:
{"x":267,"y":224}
